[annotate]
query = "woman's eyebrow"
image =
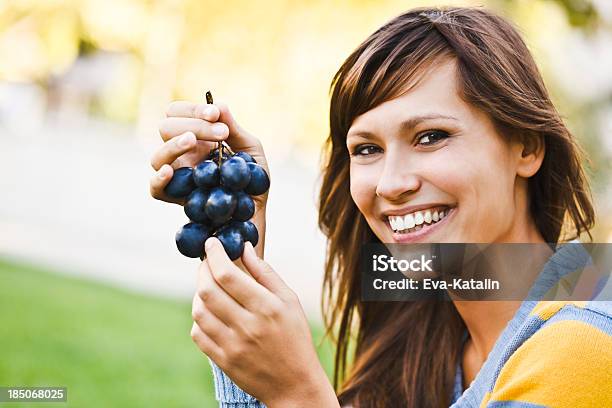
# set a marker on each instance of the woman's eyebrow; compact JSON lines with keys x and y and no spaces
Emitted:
{"x":411,"y":123}
{"x":405,"y":125}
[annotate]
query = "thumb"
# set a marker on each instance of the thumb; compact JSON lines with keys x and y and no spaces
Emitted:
{"x":263,"y":273}
{"x":238,"y":138}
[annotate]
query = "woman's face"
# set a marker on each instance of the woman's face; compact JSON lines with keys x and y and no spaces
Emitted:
{"x":427,"y":167}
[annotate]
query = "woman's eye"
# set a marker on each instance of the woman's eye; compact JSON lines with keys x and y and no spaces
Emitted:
{"x":366,"y":150}
{"x":431,"y":137}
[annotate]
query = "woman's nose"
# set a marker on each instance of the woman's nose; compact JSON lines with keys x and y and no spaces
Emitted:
{"x":397,"y":179}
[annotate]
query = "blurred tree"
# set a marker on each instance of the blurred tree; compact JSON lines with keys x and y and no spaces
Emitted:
{"x":580,"y":13}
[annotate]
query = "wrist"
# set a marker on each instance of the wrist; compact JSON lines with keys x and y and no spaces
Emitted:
{"x":317,"y":393}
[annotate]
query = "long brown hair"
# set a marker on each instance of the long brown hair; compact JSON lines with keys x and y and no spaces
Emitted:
{"x":405,"y":352}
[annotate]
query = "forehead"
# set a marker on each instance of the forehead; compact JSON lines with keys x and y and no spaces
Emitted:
{"x":436,"y":93}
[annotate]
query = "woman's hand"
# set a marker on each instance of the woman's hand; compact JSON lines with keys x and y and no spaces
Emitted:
{"x":255,"y":330}
{"x":190,"y":131}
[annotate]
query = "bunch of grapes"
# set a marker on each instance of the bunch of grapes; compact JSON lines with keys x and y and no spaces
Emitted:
{"x":218,"y":201}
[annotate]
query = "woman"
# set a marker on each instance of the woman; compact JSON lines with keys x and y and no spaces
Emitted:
{"x":440,"y":112}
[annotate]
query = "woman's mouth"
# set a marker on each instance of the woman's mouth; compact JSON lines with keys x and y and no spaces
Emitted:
{"x":416,"y":225}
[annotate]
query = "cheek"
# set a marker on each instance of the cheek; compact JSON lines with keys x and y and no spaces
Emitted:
{"x":471,"y":173}
{"x":480,"y":179}
{"x":363,"y":182}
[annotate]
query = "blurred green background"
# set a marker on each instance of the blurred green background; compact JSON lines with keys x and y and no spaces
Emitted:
{"x":110,"y":348}
{"x":93,"y":294}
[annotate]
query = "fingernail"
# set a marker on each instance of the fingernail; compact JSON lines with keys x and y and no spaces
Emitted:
{"x":186,"y":140}
{"x":219,"y":129}
{"x":249,"y":247}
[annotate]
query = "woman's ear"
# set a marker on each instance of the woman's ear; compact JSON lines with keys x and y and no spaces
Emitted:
{"x":530,"y":151}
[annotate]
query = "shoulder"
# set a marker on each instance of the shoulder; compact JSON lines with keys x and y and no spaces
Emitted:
{"x":594,"y":313}
{"x":566,"y":362}
{"x":569,"y":330}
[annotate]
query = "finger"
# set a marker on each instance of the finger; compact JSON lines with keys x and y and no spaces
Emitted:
{"x":234,"y":282}
{"x":263,"y":273}
{"x":206,"y":344}
{"x":158,"y":182}
{"x":208,"y":322}
{"x":219,"y":303}
{"x":204,"y":130}
{"x":173,"y":149}
{"x":186,"y":109}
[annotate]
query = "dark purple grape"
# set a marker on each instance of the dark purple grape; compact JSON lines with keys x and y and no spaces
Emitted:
{"x":190,"y":239}
{"x":245,"y":207}
{"x":232,"y":241}
{"x":248,"y":230}
{"x":206,"y":174}
{"x":260,"y":182}
{"x":181,"y":183}
{"x":235,"y":174}
{"x":247,"y":157}
{"x":220,"y":205}
{"x":195,"y":206}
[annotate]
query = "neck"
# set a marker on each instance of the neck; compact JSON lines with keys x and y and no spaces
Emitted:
{"x":485,"y":320}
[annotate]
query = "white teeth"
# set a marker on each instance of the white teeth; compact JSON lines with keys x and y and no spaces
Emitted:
{"x":400,"y":223}
{"x":418,"y":218}
{"x":393,"y":223}
{"x":409,"y":221}
{"x":415,"y":220}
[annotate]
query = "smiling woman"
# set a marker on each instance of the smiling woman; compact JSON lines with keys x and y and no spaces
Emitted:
{"x":441,"y":131}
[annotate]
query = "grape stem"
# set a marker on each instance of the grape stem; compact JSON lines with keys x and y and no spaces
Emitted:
{"x":209,"y":100}
{"x":222,"y":146}
{"x":229,"y":149}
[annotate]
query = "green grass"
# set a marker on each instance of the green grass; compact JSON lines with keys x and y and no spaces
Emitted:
{"x":111,"y":348}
